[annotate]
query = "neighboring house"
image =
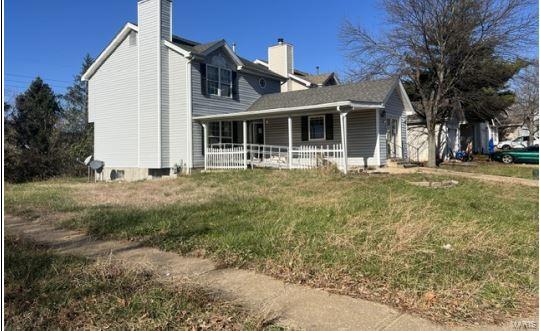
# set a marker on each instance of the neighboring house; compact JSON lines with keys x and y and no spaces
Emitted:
{"x":454,"y":136}
{"x":511,"y":126}
{"x":158,"y":101}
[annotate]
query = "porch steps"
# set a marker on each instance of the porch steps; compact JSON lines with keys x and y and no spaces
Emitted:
{"x":400,"y":163}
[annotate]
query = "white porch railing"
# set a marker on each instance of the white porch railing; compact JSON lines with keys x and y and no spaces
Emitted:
{"x":310,"y":157}
{"x":224,"y":158}
{"x":231,"y":156}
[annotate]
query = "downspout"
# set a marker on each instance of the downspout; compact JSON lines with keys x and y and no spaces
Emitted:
{"x":189,"y":117}
{"x":160,"y":77}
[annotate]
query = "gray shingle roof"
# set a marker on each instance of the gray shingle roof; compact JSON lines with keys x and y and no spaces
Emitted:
{"x":374,"y":91}
{"x":192,"y":46}
{"x":318,"y":79}
{"x":199,"y":49}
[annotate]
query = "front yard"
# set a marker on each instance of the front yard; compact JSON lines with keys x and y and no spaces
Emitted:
{"x":457,"y":255}
{"x":48,"y":291}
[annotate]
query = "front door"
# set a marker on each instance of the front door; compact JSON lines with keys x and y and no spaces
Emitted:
{"x":391,"y":137}
{"x":257,"y":133}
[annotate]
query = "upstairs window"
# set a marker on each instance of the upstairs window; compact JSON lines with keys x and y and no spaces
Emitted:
{"x":225,"y":81}
{"x":212,"y":80}
{"x":218,"y":81}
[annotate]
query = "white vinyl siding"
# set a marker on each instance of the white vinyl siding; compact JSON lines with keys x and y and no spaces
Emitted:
{"x":154,"y":26}
{"x":113,"y":105}
{"x":249,"y":92}
{"x":175,"y":112}
{"x":396,"y":110}
{"x":361,"y":132}
{"x":149,"y":77}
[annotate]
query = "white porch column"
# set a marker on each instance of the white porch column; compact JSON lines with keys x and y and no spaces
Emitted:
{"x":289,"y":124}
{"x":205,"y":129}
{"x":344,"y":145}
{"x":378,"y":138}
{"x":244,"y":129}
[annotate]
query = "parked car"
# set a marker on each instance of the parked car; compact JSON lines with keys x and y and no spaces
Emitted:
{"x":519,"y":142}
{"x":518,"y":155}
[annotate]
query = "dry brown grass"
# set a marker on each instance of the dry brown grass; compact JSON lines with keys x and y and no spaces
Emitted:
{"x":142,"y":194}
{"x":465,"y":254}
{"x":48,"y":291}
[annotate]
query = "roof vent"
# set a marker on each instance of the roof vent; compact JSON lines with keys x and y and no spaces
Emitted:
{"x":280,"y":41}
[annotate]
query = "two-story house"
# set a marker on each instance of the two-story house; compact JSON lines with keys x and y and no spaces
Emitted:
{"x":158,"y":100}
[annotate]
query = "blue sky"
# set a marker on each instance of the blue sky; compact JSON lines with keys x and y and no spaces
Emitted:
{"x":50,"y":38}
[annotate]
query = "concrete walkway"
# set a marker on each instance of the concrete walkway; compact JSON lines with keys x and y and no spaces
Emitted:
{"x":484,"y":177}
{"x":297,"y":306}
{"x":478,"y":176}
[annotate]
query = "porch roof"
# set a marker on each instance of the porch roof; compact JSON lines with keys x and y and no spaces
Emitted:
{"x":363,"y":95}
{"x":371,"y":92}
{"x":301,"y":110}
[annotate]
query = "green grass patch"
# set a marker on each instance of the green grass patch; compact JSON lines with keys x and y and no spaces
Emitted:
{"x":474,"y":247}
{"x":48,"y":291}
{"x":493,"y":168}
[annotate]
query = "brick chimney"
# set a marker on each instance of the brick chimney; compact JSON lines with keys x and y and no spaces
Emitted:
{"x":281,"y":61}
{"x":154,"y":20}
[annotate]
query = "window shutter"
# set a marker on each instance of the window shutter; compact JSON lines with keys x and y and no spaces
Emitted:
{"x":203,"y":79}
{"x":329,"y":121}
{"x":237,"y":132}
{"x":235,"y":92}
{"x":305,"y":135}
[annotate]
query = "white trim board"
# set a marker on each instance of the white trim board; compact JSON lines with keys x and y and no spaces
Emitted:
{"x":283,"y":111}
{"x":178,"y":49}
{"x":300,"y":80}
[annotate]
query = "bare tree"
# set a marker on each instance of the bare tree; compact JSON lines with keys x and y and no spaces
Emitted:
{"x":432,"y":44}
{"x":525,"y":109}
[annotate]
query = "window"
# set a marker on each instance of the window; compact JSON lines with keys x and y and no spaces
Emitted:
{"x":212,"y":80}
{"x":218,"y":81}
{"x":214,"y":133}
{"x":262,"y":82}
{"x":226,"y":132}
{"x":316,"y":128}
{"x":220,"y":133}
{"x":225,"y":83}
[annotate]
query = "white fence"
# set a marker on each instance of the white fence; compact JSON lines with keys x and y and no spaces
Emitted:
{"x":309,"y":157}
{"x":269,"y":156}
{"x":231,"y":156}
{"x":224,"y":158}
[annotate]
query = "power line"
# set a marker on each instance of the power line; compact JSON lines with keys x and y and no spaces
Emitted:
{"x":24,"y":85}
{"x":12,"y":85}
{"x":26,"y":82}
{"x":45,"y":78}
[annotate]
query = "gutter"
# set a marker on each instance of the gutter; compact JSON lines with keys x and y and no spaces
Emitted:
{"x":276,"y":112}
{"x":261,"y":73}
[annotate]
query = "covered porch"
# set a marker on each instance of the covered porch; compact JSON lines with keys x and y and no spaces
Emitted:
{"x":344,"y":134}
